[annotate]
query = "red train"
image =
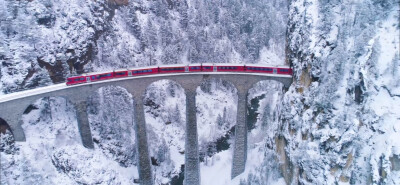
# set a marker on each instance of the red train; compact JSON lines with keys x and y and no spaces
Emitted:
{"x":204,"y":67}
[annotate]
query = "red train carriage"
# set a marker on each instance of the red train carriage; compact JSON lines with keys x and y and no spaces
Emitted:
{"x":260,"y":69}
{"x":173,"y":69}
{"x":285,"y":71}
{"x":143,"y":71}
{"x":102,"y":76}
{"x":268,"y":69}
{"x":120,"y":74}
{"x":76,"y":80}
{"x":194,"y":68}
{"x":229,"y":67}
{"x":208,"y":67}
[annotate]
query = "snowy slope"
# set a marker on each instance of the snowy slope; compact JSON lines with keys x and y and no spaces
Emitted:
{"x":340,"y":119}
{"x":53,"y":153}
{"x":45,"y":41}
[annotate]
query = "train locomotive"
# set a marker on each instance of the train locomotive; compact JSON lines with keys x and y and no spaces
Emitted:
{"x":192,"y":68}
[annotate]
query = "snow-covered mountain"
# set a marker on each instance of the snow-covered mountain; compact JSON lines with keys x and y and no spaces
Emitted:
{"x":44,"y":41}
{"x":338,"y":123}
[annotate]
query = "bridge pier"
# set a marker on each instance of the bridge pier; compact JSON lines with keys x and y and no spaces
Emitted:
{"x":83,"y":124}
{"x":144,"y":165}
{"x":192,"y":166}
{"x":240,"y":149}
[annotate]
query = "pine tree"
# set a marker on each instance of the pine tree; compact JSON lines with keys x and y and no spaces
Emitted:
{"x":220,"y":121}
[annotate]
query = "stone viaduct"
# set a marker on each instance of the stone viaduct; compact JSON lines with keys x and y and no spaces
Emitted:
{"x":13,"y":105}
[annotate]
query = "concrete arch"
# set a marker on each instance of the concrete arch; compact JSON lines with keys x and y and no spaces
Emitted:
{"x":110,"y":111}
{"x":223,"y":81}
{"x":165,"y":114}
{"x":31,"y":107}
{"x":222,"y":94}
{"x":4,"y":127}
{"x":216,"y":99}
{"x":264,"y":87}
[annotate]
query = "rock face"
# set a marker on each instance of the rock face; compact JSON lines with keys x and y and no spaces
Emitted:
{"x":340,"y":117}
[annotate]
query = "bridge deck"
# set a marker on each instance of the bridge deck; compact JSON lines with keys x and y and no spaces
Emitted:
{"x":50,"y":88}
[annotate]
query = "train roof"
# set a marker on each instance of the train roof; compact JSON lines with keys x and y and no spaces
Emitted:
{"x":144,"y":67}
{"x":265,"y":65}
{"x":174,"y":65}
{"x":227,"y":64}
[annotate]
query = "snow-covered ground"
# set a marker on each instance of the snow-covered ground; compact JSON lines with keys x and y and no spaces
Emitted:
{"x":53,"y":153}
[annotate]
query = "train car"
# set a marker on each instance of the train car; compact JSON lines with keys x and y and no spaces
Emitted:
{"x":260,"y":69}
{"x":143,"y":71}
{"x":173,"y":69}
{"x":285,"y":71}
{"x":76,"y":80}
{"x":229,"y":67}
{"x":195,"y":67}
{"x":257,"y":68}
{"x":208,"y":67}
{"x":101,"y":76}
{"x":121,"y":73}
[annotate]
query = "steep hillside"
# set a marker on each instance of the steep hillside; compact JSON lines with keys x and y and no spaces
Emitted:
{"x":340,"y":119}
{"x":45,"y":41}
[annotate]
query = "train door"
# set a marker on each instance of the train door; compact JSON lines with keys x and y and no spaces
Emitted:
{"x":215,"y":68}
{"x":87,"y":79}
{"x":275,"y":70}
{"x":186,"y":68}
{"x":129,"y":73}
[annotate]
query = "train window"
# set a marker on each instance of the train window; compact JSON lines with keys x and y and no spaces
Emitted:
{"x":103,"y":75}
{"x":93,"y":77}
{"x":284,"y":70}
{"x":120,"y":73}
{"x":207,"y":67}
{"x":150,"y":70}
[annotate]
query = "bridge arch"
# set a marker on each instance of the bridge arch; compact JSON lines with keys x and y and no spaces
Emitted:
{"x":217,"y":101}
{"x":57,"y":112}
{"x":110,"y":112}
{"x":263,"y":95}
{"x":164,"y":106}
{"x":4,"y":127}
